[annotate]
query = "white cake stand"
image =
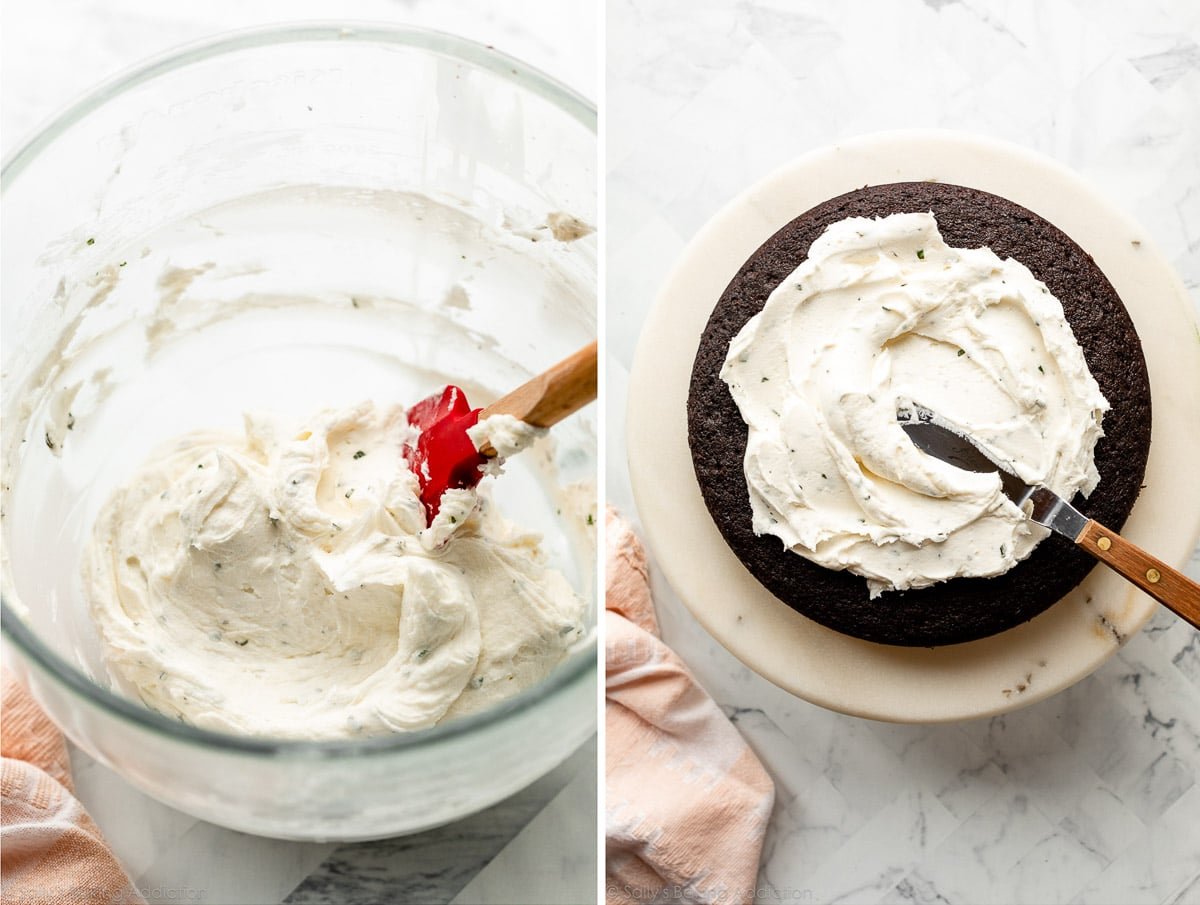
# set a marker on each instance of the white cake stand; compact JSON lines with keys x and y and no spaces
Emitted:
{"x":980,"y":678}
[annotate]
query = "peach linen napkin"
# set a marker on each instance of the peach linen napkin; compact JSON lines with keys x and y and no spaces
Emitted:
{"x":51,"y":853}
{"x":687,"y":800}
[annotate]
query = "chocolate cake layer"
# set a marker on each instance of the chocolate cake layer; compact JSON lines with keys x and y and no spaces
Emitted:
{"x":962,"y":609}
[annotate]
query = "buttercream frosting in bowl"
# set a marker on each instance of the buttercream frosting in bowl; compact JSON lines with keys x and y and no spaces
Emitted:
{"x":283,"y":582}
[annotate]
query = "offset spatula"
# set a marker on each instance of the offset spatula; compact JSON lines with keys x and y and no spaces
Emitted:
{"x":1168,"y":586}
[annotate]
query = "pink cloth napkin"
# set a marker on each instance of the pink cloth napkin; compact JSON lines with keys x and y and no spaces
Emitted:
{"x":51,"y":853}
{"x":687,"y":800}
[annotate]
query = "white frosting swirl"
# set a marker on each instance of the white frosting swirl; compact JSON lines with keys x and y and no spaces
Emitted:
{"x":506,"y":435}
{"x":882,"y":311}
{"x":284,"y":584}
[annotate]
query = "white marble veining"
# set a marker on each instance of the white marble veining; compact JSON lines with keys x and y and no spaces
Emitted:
{"x":1091,"y":796}
{"x":52,"y":52}
{"x":522,"y":873}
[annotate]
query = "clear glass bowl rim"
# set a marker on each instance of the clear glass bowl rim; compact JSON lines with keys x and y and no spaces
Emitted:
{"x":472,"y":53}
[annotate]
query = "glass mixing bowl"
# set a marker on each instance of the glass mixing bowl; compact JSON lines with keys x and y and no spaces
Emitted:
{"x":288,"y":219}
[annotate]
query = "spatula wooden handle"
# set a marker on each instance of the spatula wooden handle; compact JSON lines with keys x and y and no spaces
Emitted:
{"x":551,"y":396}
{"x":1168,"y":586}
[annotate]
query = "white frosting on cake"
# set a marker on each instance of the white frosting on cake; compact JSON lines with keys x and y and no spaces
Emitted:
{"x":884,"y":311}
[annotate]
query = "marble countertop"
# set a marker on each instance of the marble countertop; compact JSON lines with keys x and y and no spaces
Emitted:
{"x":1091,"y":796}
{"x":537,"y":846}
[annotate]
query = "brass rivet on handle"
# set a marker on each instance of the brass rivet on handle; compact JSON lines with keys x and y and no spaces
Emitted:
{"x":1104,"y":543}
{"x":1153,"y":575}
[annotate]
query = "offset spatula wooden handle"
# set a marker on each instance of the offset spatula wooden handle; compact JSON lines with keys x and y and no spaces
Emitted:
{"x":551,"y":396}
{"x":1168,"y":586}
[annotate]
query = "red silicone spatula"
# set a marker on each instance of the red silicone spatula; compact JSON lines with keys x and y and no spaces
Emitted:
{"x":444,"y":456}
